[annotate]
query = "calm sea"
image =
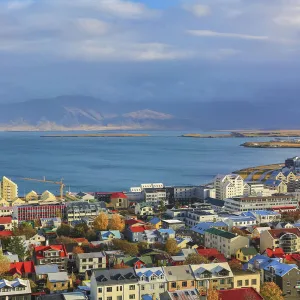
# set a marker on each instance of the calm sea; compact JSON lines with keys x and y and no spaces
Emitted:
{"x":115,"y":164}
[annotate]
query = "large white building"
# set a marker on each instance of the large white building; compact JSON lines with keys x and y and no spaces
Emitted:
{"x":155,"y":195}
{"x":230,"y":185}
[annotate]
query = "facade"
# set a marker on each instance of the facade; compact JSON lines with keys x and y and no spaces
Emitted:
{"x":9,"y":190}
{"x":88,"y":261}
{"x":173,"y":224}
{"x":143,"y":209}
{"x":35,"y":212}
{"x":109,"y":235}
{"x":58,"y":282}
{"x":184,"y":194}
{"x":17,"y":289}
{"x":246,"y":279}
{"x":276,"y":201}
{"x":225,"y":242}
{"x":245,"y":254}
{"x":50,"y":222}
{"x":287,"y":238}
{"x":239,"y":221}
{"x":276,"y":185}
{"x":228,"y":186}
{"x":115,"y":284}
{"x":155,"y":196}
{"x":6,"y":211}
{"x":195,"y":216}
{"x":47,"y":196}
{"x":293,"y":163}
{"x":6,"y":223}
{"x":31,"y":196}
{"x":263,"y":216}
{"x":37,"y":240}
{"x":81,"y":209}
{"x":119,"y":201}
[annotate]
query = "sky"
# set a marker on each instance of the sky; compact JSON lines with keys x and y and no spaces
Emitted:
{"x":144,"y":50}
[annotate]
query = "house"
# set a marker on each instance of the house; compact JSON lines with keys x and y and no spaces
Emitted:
{"x":156,"y":222}
{"x":164,"y":234}
{"x":274,"y":253}
{"x":277,"y":175}
{"x":263,"y":216}
{"x":242,"y":293}
{"x":151,"y":281}
{"x":58,"y":282}
{"x":257,"y":231}
{"x":245,"y":254}
{"x":155,"y":195}
{"x":133,"y":222}
{"x":88,"y":261}
{"x":216,"y":205}
{"x":42,"y":271}
{"x":239,"y":221}
{"x":225,"y":242}
{"x":282,"y":225}
{"x":187,"y":294}
{"x":136,"y":233}
{"x":276,"y":185}
{"x":173,"y":224}
{"x":195,"y":216}
{"x":288,"y":239}
{"x":119,"y":201}
{"x":134,"y":262}
{"x":143,"y":209}
{"x":115,"y":284}
{"x":47,"y":196}
{"x":85,"y":196}
{"x":4,"y":203}
{"x":109,"y":235}
{"x":50,"y":222}
{"x":37,"y":240}
{"x":182,"y":243}
{"x":179,"y":278}
{"x":53,"y":254}
{"x":23,"y":269}
{"x":213,"y":255}
{"x":32,"y":196}
{"x":6,"y":223}
{"x":15,"y":289}
{"x":201,"y":227}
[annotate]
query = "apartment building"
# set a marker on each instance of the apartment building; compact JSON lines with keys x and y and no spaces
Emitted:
{"x":195,"y":216}
{"x":16,"y":289}
{"x":81,"y":209}
{"x":246,"y":279}
{"x":224,"y":241}
{"x":275,"y":202}
{"x":155,"y":196}
{"x":6,"y":211}
{"x":9,"y":189}
{"x":185,"y":194}
{"x":38,"y":211}
{"x":263,"y":216}
{"x":239,"y":221}
{"x":121,"y":284}
{"x":143,"y":208}
{"x":32,"y":197}
{"x":88,"y":261}
{"x":228,"y":186}
{"x":287,"y":238}
{"x":276,"y":185}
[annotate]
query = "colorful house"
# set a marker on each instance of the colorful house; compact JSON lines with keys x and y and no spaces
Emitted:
{"x":245,"y":254}
{"x":156,"y":222}
{"x":110,"y":235}
{"x":212,"y":254}
{"x":22,"y":269}
{"x":58,"y":282}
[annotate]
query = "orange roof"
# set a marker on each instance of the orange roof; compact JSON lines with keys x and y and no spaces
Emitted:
{"x":5,"y":220}
{"x":118,"y":195}
{"x":242,"y":293}
{"x":277,"y":252}
{"x":39,"y":250}
{"x":6,"y":233}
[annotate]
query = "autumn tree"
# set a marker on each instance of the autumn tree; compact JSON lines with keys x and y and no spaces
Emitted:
{"x":77,"y":250}
{"x":24,"y":229}
{"x":64,"y":240}
{"x":171,"y":246}
{"x":142,"y":246}
{"x":4,"y":264}
{"x":119,"y":266}
{"x":235,"y":264}
{"x":238,"y":231}
{"x":212,"y":294}
{"x":125,"y":246}
{"x":271,"y":291}
{"x":195,"y":259}
{"x":64,"y":230}
{"x":101,"y":222}
{"x":116,"y":223}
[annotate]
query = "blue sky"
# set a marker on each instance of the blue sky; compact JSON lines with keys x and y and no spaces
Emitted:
{"x":141,"y":50}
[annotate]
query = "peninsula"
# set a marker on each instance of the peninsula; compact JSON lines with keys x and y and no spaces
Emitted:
{"x":98,"y":135}
{"x":272,"y":144}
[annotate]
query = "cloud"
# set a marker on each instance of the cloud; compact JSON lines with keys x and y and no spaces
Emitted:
{"x":199,"y":10}
{"x":18,"y":5}
{"x":210,"y":33}
{"x":92,"y":26}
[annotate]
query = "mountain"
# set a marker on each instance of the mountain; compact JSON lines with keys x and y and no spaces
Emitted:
{"x":75,"y":111}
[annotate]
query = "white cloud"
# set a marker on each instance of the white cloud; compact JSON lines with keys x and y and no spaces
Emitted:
{"x":199,"y":10}
{"x":17,"y":5}
{"x":210,"y":33}
{"x":92,"y":26}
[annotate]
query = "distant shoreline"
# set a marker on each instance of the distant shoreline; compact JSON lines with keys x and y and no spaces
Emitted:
{"x":95,"y":135}
{"x":272,"y":144}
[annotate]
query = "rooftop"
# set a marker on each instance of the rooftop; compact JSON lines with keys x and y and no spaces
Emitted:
{"x":222,"y":233}
{"x":241,"y":293}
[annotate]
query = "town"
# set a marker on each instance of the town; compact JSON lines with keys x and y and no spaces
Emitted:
{"x":235,"y":237}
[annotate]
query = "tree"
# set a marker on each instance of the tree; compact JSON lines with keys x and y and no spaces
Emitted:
{"x":125,"y":246}
{"x":101,"y":222}
{"x":16,"y":245}
{"x":238,"y":231}
{"x":77,"y":250}
{"x":162,"y":207}
{"x":79,"y":230}
{"x":212,"y":294}
{"x":142,"y":246}
{"x":271,"y":291}
{"x":64,"y":240}
{"x":195,"y":259}
{"x":235,"y":264}
{"x":171,"y":247}
{"x":116,"y":223}
{"x":24,"y":229}
{"x":91,"y":235}
{"x":64,"y":230}
{"x":4,"y":264}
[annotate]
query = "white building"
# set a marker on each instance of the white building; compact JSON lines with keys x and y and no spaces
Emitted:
{"x":196,"y":216}
{"x":155,"y":195}
{"x":239,"y":221}
{"x":206,"y":191}
{"x":228,"y":186}
{"x":264,"y":216}
{"x":182,"y":193}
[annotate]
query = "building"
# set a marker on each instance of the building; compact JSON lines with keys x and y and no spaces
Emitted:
{"x":179,"y":278}
{"x":6,"y":223}
{"x":154,"y":196}
{"x":195,"y":216}
{"x":276,"y":185}
{"x":81,"y":209}
{"x":32,"y":197}
{"x":287,"y":238}
{"x":143,"y":209}
{"x":6,"y":211}
{"x":242,"y":293}
{"x":206,"y":191}
{"x":85,"y":196}
{"x":257,"y":232}
{"x":109,"y":235}
{"x":263,"y":216}
{"x":293,"y":163}
{"x":239,"y":221}
{"x":37,"y":240}
{"x":173,"y":224}
{"x":246,"y":279}
{"x":228,"y":186}
{"x":186,"y":194}
{"x":187,"y":294}
{"x":36,"y":212}
{"x":225,"y":242}
{"x":23,"y":269}
{"x":115,"y":284}
{"x":275,"y":202}
{"x":53,"y":254}
{"x":88,"y":261}
{"x":58,"y":282}
{"x":151,"y":281}
{"x":156,"y":222}
{"x":245,"y":254}
{"x":119,"y":201}
{"x":50,"y":222}
{"x":42,"y":271}
{"x":15,"y":289}
{"x":216,"y":275}
{"x":47,"y":197}
{"x":9,"y":190}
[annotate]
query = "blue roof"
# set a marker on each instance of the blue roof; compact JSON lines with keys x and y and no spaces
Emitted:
{"x":155,"y":220}
{"x":242,"y":218}
{"x":203,"y":226}
{"x":273,"y":182}
{"x":44,"y":269}
{"x":106,"y":234}
{"x":169,"y":231}
{"x":147,"y":297}
{"x":260,"y":213}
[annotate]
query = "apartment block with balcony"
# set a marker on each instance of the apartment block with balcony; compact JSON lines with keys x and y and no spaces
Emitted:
{"x":88,"y":261}
{"x":228,"y":186}
{"x":9,"y":189}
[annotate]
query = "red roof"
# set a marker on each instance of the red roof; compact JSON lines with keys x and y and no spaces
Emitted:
{"x":22,"y":267}
{"x":242,"y":293}
{"x":293,"y":257}
{"x":133,"y":222}
{"x":139,"y":228}
{"x":5,"y":220}
{"x":277,"y":252}
{"x":212,"y":254}
{"x":277,"y":233}
{"x":6,"y":233}
{"x":80,"y":240}
{"x":118,"y":195}
{"x":39,"y":250}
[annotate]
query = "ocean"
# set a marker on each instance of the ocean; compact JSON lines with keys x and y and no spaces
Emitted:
{"x":116,"y":164}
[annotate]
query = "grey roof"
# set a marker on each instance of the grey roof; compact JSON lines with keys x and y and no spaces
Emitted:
{"x":111,"y":277}
{"x":45,"y":269}
{"x":84,"y":206}
{"x":91,"y":255}
{"x":178,"y":273}
{"x":58,"y":277}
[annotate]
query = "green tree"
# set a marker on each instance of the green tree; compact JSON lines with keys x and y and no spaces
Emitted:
{"x":162,"y":207}
{"x":271,"y":291}
{"x":171,"y":247}
{"x":64,"y":230}
{"x":16,"y":245}
{"x":80,"y":230}
{"x":142,"y":246}
{"x":126,"y":247}
{"x":195,"y":259}
{"x":91,"y":235}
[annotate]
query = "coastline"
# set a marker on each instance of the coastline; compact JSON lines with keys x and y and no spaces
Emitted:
{"x":272,"y":144}
{"x":95,"y":135}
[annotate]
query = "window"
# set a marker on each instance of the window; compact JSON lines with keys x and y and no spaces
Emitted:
{"x":253,"y":281}
{"x":142,"y":288}
{"x":184,"y":284}
{"x":109,"y":298}
{"x":100,"y":290}
{"x":247,"y":282}
{"x":132,"y":287}
{"x":288,"y":283}
{"x":239,"y":282}
{"x":132,"y":296}
{"x":173,"y":284}
{"x":288,"y":292}
{"x":222,"y":281}
{"x":109,"y":289}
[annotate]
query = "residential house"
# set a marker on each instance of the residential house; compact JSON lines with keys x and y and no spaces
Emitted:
{"x":215,"y":275}
{"x":88,"y":261}
{"x":32,"y":197}
{"x":119,"y":201}
{"x":134,"y":262}
{"x":154,"y":196}
{"x":6,"y":223}
{"x":50,"y":222}
{"x":143,"y":209}
{"x":212,"y":254}
{"x":182,"y":242}
{"x":53,"y":254}
{"x":225,"y":242}
{"x":164,"y":234}
{"x":242,"y":293}
{"x":115,"y":284}
{"x":42,"y":271}
{"x":18,"y":201}
{"x":81,"y":241}
{"x":23,"y":269}
{"x":85,"y":196}
{"x":151,"y":281}
{"x":37,"y":240}
{"x":281,"y":225}
{"x":196,"y":216}
{"x":47,"y":197}
{"x":173,"y":224}
{"x":58,"y":282}
{"x":179,"y":278}
{"x":15,"y":289}
{"x":244,"y":254}
{"x":239,"y":221}
{"x":4,"y":203}
{"x":109,"y":235}
{"x":263,"y":216}
{"x":5,"y":210}
{"x":156,"y":222}
{"x":136,"y":233}
{"x":277,"y":175}
{"x":187,"y":294}
{"x":288,"y":239}
{"x":276,"y":185}
{"x":274,"y":253}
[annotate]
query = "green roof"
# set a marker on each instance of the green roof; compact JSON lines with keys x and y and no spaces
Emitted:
{"x":222,"y":233}
{"x":248,"y":251}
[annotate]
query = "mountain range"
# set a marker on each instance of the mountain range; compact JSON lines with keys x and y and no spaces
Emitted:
{"x":73,"y":112}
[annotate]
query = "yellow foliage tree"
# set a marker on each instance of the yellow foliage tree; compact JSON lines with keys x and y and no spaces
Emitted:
{"x":77,"y":250}
{"x":195,"y":259}
{"x":212,"y":294}
{"x":101,"y":221}
{"x":116,"y":223}
{"x":4,"y":264}
{"x":171,"y":247}
{"x":271,"y":291}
